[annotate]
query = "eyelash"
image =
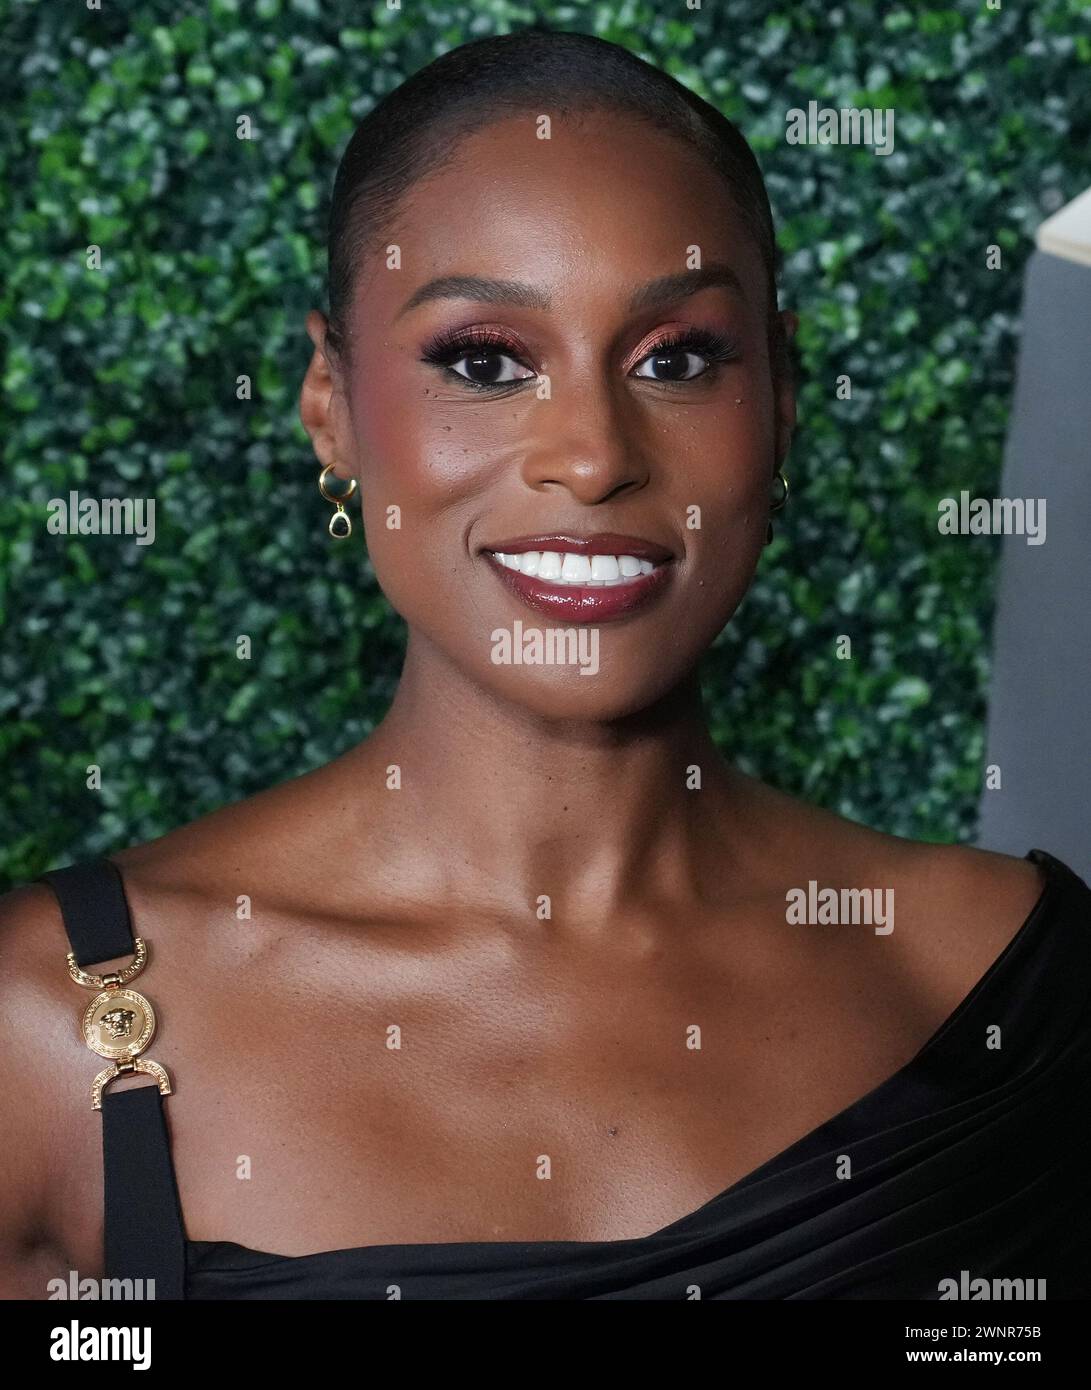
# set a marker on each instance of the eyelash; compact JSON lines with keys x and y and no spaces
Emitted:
{"x":447,"y":348}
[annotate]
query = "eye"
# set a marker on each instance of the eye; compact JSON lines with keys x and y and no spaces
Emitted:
{"x":674,"y":357}
{"x":488,"y":360}
{"x":489,"y":357}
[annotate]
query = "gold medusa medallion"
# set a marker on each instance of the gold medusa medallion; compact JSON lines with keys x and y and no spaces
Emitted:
{"x":118,"y":1023}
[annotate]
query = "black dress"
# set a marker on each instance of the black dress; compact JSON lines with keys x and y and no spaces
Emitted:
{"x":973,"y":1162}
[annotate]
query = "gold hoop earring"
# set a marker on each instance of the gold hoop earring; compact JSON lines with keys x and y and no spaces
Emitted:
{"x":340,"y":523}
{"x":777,"y":505}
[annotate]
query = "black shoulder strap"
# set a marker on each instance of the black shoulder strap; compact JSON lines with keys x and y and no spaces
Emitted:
{"x":144,"y":1236}
{"x":96,"y":915}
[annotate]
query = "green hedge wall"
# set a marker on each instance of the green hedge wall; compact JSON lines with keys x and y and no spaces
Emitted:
{"x":120,"y":131}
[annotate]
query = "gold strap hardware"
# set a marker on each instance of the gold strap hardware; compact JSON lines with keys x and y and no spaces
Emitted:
{"x":135,"y":966}
{"x":141,"y":1064}
{"x":118,"y":1024}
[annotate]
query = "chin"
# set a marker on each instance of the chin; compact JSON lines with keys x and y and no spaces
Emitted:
{"x":581,"y":694}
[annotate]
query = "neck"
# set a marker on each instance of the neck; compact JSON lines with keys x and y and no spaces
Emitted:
{"x":498,"y":806}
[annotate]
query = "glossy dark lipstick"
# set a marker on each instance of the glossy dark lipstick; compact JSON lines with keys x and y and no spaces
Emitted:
{"x":582,"y":578}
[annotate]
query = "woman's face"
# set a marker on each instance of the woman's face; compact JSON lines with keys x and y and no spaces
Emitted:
{"x":582,"y":437}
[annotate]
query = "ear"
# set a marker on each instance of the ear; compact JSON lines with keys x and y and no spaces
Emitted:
{"x":322,"y":403}
{"x":785,"y":385}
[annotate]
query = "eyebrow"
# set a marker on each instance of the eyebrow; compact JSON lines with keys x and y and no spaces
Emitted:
{"x":664,"y":290}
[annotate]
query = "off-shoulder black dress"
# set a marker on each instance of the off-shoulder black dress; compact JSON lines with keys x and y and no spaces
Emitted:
{"x":973,"y":1162}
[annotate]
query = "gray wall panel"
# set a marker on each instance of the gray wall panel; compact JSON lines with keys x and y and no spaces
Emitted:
{"x":1039,"y":730}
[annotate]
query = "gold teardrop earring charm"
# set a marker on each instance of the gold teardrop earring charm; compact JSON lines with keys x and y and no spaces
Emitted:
{"x":777,"y":505}
{"x":340,"y":523}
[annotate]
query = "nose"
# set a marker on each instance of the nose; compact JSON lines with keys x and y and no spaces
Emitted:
{"x":587,"y":440}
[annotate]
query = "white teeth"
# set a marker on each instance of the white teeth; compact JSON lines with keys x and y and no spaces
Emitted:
{"x":595,"y":571}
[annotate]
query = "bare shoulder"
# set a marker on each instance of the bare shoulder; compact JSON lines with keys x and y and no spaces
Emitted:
{"x":290,"y":841}
{"x":182,"y":890}
{"x":956,"y":907}
{"x":973,"y":883}
{"x":264,"y":836}
{"x":960,"y":908}
{"x":42,"y":1075}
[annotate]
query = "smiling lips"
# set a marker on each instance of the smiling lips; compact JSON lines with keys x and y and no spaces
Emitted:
{"x":582,"y":579}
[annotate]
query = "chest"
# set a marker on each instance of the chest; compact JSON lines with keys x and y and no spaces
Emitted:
{"x":462,"y":1100}
{"x":356,"y":1097}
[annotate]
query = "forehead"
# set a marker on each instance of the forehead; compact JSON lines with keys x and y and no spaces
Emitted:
{"x":605,"y":203}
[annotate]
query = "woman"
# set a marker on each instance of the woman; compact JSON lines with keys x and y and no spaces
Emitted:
{"x":527,"y":996}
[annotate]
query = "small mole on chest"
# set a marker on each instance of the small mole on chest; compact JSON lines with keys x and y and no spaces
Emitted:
{"x":612,"y":1130}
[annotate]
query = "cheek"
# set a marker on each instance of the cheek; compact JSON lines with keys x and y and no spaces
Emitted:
{"x":415,"y":451}
{"x":401,"y":469}
{"x":721,"y":475}
{"x":419,"y":475}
